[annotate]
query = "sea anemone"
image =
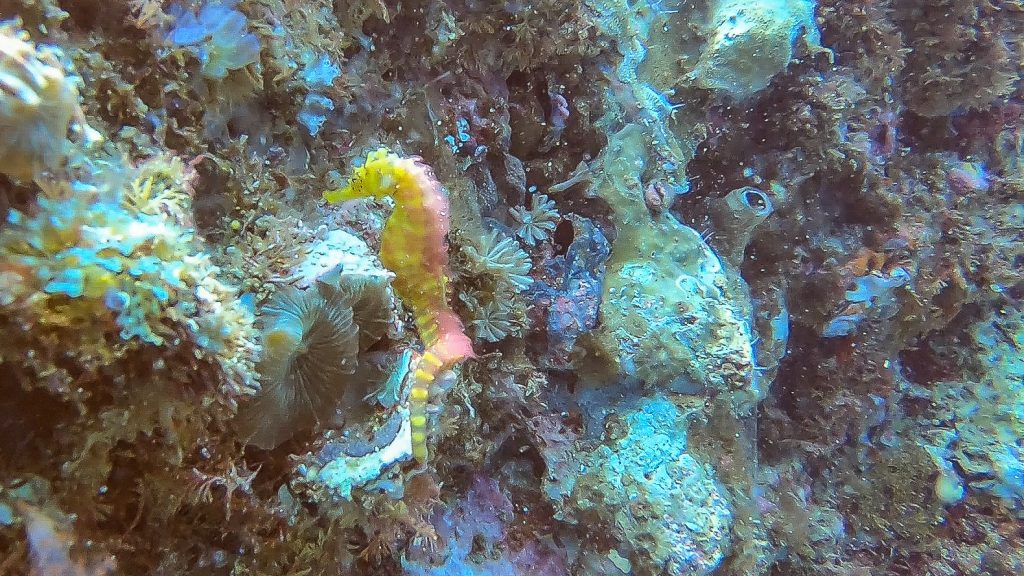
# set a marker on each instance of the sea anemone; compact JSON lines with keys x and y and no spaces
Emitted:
{"x":370,"y":299}
{"x":310,"y":348}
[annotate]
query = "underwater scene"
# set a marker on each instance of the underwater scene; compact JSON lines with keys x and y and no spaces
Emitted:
{"x":512,"y":287}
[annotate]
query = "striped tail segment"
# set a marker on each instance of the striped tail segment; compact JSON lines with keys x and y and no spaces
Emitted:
{"x":447,"y":346}
{"x":430,"y":366}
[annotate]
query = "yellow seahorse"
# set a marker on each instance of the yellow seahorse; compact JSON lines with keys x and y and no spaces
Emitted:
{"x":413,"y":246}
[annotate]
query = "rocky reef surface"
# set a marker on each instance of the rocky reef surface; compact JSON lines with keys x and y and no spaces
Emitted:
{"x":548,"y":287}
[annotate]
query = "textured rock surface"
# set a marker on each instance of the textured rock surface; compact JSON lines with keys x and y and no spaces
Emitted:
{"x":663,"y":508}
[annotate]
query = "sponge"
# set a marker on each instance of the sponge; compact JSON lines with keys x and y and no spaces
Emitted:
{"x":752,"y":41}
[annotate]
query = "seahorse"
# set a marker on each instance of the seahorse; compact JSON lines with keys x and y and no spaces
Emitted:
{"x":413,"y":246}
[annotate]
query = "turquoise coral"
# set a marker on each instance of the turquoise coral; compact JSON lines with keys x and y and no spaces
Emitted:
{"x":980,"y":419}
{"x":664,"y":509}
{"x":109,"y":278}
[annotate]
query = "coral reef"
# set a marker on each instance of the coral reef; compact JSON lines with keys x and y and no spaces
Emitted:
{"x":90,"y":281}
{"x":706,"y":287}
